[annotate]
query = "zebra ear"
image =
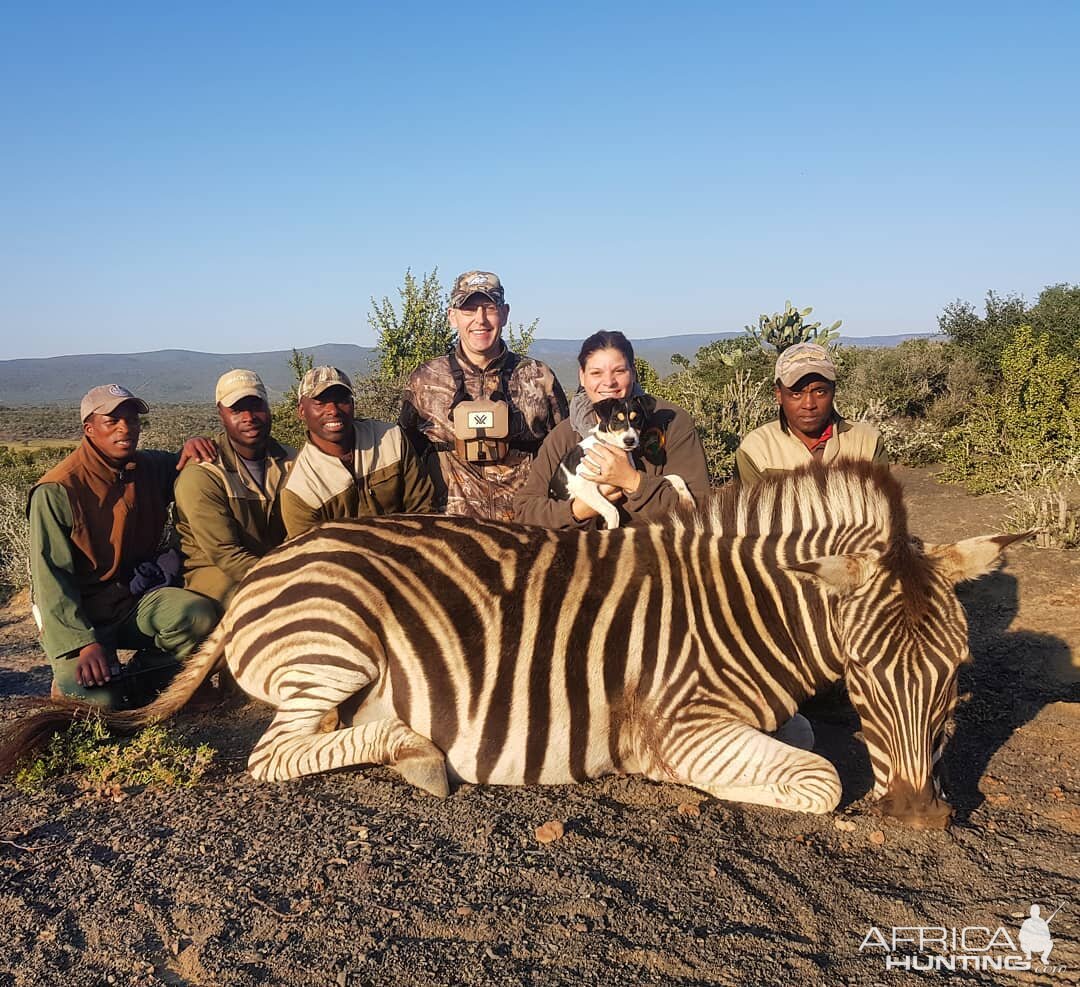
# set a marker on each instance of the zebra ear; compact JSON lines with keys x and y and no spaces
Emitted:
{"x":972,"y":557}
{"x":840,"y":574}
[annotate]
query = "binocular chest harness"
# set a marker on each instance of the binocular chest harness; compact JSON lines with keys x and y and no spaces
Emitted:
{"x":482,"y":426}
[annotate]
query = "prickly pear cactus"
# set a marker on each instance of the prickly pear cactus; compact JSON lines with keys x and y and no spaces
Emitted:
{"x":783,"y":329}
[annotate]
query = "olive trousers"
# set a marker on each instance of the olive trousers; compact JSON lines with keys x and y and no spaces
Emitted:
{"x":165,"y":627}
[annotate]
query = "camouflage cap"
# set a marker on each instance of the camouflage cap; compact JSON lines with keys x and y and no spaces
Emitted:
{"x":319,"y":379}
{"x":477,"y":283}
{"x":236,"y":384}
{"x":801,"y":359}
{"x":108,"y":397}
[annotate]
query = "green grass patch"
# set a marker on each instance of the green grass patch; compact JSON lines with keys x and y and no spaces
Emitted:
{"x":153,"y":757}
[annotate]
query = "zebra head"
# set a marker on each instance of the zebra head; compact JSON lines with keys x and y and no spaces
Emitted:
{"x":903,"y":636}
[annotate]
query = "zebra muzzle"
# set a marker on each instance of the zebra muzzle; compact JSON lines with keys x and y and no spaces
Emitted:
{"x":916,"y":808}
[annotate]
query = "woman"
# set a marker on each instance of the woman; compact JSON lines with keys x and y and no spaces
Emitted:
{"x":638,"y":489}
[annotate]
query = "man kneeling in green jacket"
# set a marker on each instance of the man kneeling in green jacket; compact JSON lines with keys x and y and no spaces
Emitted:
{"x":100,"y":578}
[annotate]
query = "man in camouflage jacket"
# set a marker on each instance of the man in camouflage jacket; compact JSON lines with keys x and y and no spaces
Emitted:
{"x":478,"y":311}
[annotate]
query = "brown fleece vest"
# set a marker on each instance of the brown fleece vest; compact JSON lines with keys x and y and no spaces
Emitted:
{"x":118,"y":516}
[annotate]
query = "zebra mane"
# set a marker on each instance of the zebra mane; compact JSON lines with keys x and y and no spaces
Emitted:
{"x":845,"y":494}
{"x":840,"y":499}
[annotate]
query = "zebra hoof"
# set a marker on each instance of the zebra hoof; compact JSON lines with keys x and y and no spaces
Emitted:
{"x":426,"y":771}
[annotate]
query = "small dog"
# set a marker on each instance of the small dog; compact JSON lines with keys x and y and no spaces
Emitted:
{"x":620,"y":424}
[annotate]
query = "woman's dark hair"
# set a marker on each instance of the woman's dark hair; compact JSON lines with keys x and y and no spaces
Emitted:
{"x":606,"y":339}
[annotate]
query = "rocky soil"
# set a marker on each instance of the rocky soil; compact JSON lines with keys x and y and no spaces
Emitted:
{"x":354,"y":878}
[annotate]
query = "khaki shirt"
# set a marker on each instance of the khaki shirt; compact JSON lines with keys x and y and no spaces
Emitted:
{"x":770,"y":449}
{"x":385,"y":478}
{"x":225,"y":520}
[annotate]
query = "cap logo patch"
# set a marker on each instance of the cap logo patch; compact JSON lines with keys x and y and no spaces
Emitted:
{"x":477,"y":281}
{"x":119,"y":392}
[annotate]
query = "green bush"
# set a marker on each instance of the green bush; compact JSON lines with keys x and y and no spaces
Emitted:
{"x":286,"y":426}
{"x":1056,"y":314}
{"x":154,"y":756}
{"x":904,"y":381}
{"x":1031,"y":420}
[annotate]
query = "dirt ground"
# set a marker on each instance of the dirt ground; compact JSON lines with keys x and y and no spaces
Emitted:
{"x":354,"y":878}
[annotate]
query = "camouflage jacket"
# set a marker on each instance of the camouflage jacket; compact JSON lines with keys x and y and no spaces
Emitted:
{"x":486,"y":490}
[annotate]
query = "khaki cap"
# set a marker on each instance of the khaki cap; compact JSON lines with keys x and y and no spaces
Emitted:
{"x":801,"y":359}
{"x":108,"y":397}
{"x":477,"y":283}
{"x":236,"y":384}
{"x":319,"y":379}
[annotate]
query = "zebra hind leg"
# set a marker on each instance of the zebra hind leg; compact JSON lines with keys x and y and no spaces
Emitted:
{"x":732,"y":760}
{"x":297,"y":743}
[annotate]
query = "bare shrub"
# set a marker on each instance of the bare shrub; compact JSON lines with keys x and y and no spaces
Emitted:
{"x":906,"y":381}
{"x":911,"y":441}
{"x":378,"y":398}
{"x":14,"y":537}
{"x":20,"y":469}
{"x":169,"y":426}
{"x":1049,"y":504}
{"x":724,"y":414}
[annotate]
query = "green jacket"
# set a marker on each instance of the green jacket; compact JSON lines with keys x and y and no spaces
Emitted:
{"x":75,"y":596}
{"x":226,"y":522}
{"x":384,"y":477}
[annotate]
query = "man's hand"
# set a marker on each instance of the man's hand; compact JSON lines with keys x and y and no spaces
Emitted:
{"x":611,"y":466}
{"x":198,"y":449}
{"x":93,"y":665}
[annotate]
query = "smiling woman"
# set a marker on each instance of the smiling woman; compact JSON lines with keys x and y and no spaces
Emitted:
{"x":637,"y":485}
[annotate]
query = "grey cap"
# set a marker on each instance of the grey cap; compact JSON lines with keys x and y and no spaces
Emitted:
{"x":104,"y":398}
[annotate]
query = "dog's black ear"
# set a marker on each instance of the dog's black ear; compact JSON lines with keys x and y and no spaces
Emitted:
{"x":647,"y":403}
{"x":604,"y":408}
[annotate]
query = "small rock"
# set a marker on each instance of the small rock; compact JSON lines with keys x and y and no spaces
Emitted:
{"x":463,"y":910}
{"x":877,"y":837}
{"x":551,"y":831}
{"x":689,"y":809}
{"x":844,"y":825}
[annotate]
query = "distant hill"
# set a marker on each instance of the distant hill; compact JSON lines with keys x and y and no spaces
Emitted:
{"x":187,"y":377}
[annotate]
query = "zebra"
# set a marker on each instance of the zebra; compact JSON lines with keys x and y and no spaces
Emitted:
{"x":456,"y":649}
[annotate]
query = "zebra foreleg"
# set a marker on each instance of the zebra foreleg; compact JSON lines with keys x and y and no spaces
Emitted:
{"x":296,"y":743}
{"x":732,"y":760}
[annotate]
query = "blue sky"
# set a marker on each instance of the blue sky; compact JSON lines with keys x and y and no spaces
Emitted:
{"x":238,"y":177}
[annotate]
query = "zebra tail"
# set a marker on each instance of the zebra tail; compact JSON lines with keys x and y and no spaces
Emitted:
{"x":27,"y":735}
